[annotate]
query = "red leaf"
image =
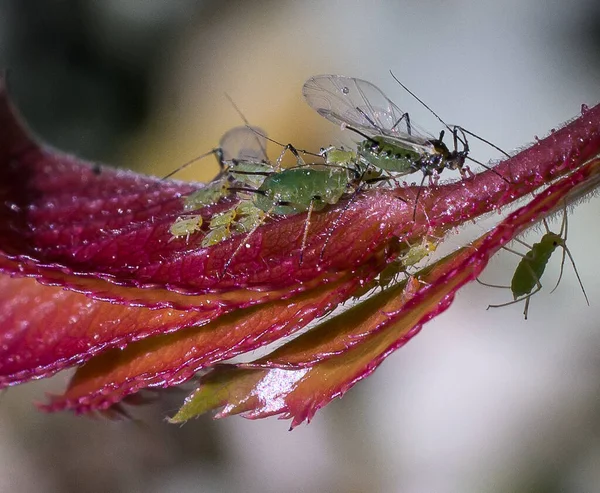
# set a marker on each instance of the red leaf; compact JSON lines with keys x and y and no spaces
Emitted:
{"x":104,"y":235}
{"x":171,"y":359}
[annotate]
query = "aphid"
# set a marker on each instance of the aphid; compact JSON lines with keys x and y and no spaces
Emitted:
{"x":526,"y":279}
{"x":295,"y":190}
{"x":185,"y":226}
{"x":242,"y":158}
{"x":302,"y":189}
{"x":410,"y":256}
{"x":391,"y":142}
{"x":240,"y":219}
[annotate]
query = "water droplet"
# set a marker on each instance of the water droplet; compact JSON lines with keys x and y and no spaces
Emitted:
{"x":584,"y":109}
{"x":345,"y":90}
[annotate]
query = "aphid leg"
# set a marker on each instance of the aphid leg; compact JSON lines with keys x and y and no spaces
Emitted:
{"x":534,"y":276}
{"x":366,"y":117}
{"x":526,"y":297}
{"x":499,"y":286}
{"x":564,"y":227}
{"x":333,"y":227}
{"x":466,"y":172}
{"x":294,"y":150}
{"x":405,"y":116}
{"x":295,"y":153}
{"x":243,"y":242}
{"x":491,"y":285}
{"x":418,"y":195}
{"x":306,"y":226}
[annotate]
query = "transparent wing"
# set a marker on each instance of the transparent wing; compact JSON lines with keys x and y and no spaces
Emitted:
{"x":244,"y":143}
{"x":358,"y":103}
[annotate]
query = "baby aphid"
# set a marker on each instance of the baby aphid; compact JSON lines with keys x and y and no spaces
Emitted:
{"x":242,"y":158}
{"x":240,"y":219}
{"x":408,"y":257}
{"x":185,"y":226}
{"x":526,"y":280}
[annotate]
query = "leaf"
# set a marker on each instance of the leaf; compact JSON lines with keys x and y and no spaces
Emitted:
{"x":90,"y":273}
{"x":170,"y":359}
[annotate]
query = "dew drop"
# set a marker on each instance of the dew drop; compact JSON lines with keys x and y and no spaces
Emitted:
{"x":345,"y":90}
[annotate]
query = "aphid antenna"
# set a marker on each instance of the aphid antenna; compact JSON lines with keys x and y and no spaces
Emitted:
{"x":455,"y":128}
{"x":421,"y":101}
{"x":489,"y":168}
{"x":289,"y":147}
{"x":417,"y":197}
{"x":247,"y":123}
{"x":218,"y":152}
{"x":485,"y":141}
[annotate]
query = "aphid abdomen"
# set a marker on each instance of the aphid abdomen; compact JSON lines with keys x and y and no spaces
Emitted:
{"x":531,"y":267}
{"x":186,"y":226}
{"x":292,"y":191}
{"x":210,"y":194}
{"x":248,"y":173}
{"x":386,"y":155}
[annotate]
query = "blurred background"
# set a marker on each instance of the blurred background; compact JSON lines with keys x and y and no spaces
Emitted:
{"x":480,"y":400}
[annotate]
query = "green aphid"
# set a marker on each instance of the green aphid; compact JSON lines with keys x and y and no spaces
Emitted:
{"x":241,"y":219}
{"x":526,"y":279}
{"x":243,"y":161}
{"x":249,"y":173}
{"x":297,"y":190}
{"x":210,"y":194}
{"x":409,"y":257}
{"x":250,"y":217}
{"x":185,"y":226}
{"x":223,"y":219}
{"x":215,"y":236}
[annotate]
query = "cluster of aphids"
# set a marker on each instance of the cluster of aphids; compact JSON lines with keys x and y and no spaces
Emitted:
{"x":390,"y":147}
